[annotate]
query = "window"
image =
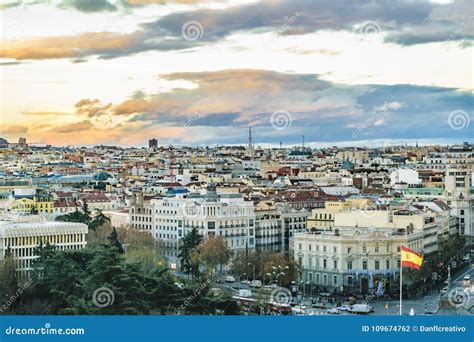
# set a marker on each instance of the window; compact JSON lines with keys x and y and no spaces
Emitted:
{"x":364,"y":265}
{"x":325,"y":279}
{"x":387,"y":264}
{"x":300,"y":246}
{"x":377,"y":264}
{"x":349,"y":249}
{"x":376,"y":249}
{"x":324,"y":248}
{"x":317,"y":278}
{"x":335,"y":264}
{"x":349,"y":264}
{"x":364,"y":249}
{"x":324,"y":263}
{"x":334,"y":249}
{"x":309,"y":247}
{"x":335,"y":281}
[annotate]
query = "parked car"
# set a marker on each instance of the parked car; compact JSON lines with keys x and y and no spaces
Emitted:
{"x":229,"y":279}
{"x":467,"y":277}
{"x":318,"y":305}
{"x":256,"y":283}
{"x":333,"y":311}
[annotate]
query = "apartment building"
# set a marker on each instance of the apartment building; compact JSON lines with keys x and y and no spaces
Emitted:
{"x":275,"y":225}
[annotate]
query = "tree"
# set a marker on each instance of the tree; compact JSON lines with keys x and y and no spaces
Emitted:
{"x":86,"y":212}
{"x":34,"y":211}
{"x":188,"y":245}
{"x":99,"y":220}
{"x":8,"y":279}
{"x":269,"y":266}
{"x":76,"y":216}
{"x":212,"y":253}
{"x":114,"y":241}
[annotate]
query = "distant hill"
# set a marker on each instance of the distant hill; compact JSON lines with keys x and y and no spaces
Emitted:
{"x":3,"y":142}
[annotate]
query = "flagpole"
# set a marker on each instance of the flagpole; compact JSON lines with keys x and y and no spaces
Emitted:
{"x":401,"y":272}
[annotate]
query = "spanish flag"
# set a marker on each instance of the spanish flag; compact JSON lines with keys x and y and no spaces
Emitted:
{"x":411,"y":258}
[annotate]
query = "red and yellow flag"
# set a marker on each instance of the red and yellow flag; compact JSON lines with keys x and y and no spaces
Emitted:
{"x":411,"y":258}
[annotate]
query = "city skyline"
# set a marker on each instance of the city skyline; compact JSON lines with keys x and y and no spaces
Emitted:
{"x":201,"y":72}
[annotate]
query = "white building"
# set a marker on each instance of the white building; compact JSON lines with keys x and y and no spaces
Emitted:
{"x":21,"y":234}
{"x":226,"y":215}
{"x":458,"y":196}
{"x":406,"y":176}
{"x":353,"y":259}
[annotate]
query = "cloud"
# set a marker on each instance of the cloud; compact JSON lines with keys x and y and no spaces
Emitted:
{"x":13,"y":129}
{"x":92,"y":108}
{"x":132,"y":106}
{"x":400,"y":22}
{"x":89,"y":6}
{"x":45,"y":113}
{"x":73,"y":127}
{"x":66,"y":46}
{"x":235,"y":99}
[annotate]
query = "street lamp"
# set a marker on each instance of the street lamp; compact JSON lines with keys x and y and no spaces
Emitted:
{"x":240,"y":279}
{"x":253,"y":267}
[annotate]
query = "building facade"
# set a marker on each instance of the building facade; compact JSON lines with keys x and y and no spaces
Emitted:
{"x":21,"y":235}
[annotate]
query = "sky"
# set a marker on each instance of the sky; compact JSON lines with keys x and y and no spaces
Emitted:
{"x":198,"y":72}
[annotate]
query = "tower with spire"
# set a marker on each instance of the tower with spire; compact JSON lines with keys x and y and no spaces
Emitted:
{"x":249,"y":151}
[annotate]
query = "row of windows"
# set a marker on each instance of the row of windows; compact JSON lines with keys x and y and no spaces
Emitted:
{"x":365,"y":264}
{"x":349,"y":250}
{"x":36,"y":240}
